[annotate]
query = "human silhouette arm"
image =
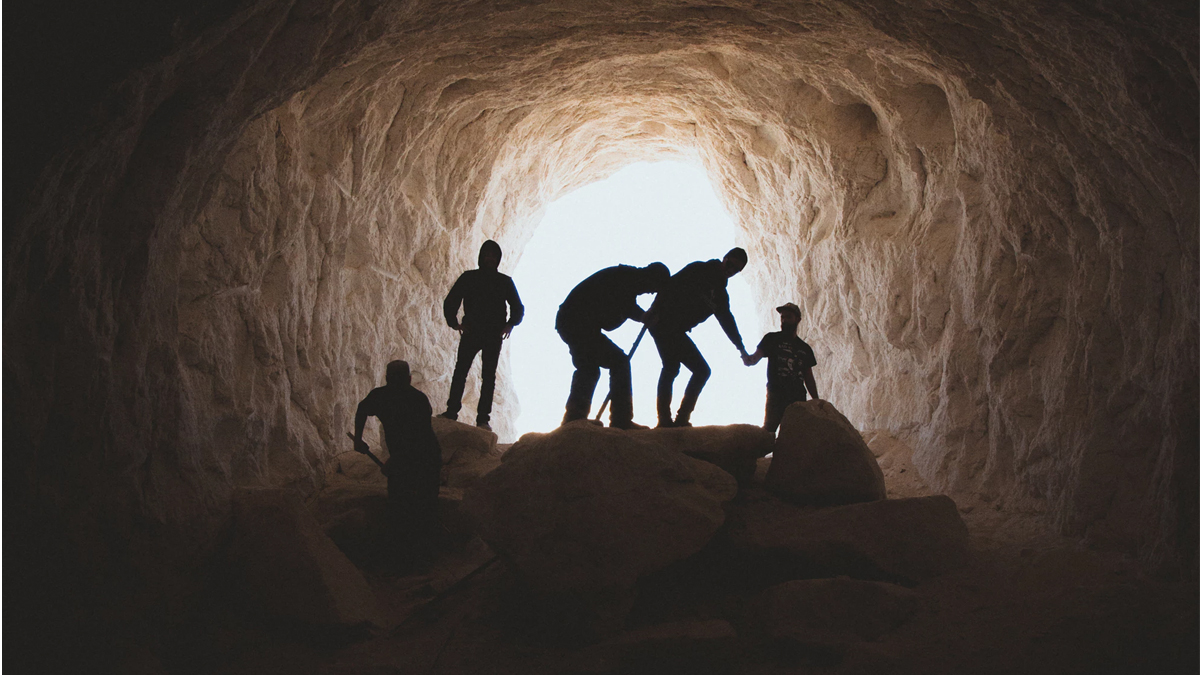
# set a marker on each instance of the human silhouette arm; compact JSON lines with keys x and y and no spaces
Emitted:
{"x":452,"y":302}
{"x":360,"y":422}
{"x":811,"y":383}
{"x":728,"y":324}
{"x":751,"y":359}
{"x":516,"y":311}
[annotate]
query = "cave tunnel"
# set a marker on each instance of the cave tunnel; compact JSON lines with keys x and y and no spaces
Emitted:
{"x":225,"y":219}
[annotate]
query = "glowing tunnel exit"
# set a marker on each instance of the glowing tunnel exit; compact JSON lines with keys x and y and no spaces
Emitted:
{"x":646,"y":212}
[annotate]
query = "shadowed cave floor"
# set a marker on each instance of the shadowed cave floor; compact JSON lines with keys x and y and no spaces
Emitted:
{"x":1029,"y":602}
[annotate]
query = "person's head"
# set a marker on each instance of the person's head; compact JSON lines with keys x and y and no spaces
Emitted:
{"x":789,"y":316}
{"x":398,"y":374}
{"x":489,"y":255}
{"x":656,"y":275}
{"x":734,"y":261}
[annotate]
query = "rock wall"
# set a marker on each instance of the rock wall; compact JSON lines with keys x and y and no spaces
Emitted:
{"x":987,"y":213}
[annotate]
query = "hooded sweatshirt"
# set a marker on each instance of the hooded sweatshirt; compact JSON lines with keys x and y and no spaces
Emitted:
{"x":483,"y":294}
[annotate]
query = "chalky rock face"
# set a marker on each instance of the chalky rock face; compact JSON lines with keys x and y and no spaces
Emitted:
{"x":284,"y":566}
{"x":986,"y":211}
{"x":820,"y":458}
{"x":584,"y":510}
{"x":735,"y":448}
{"x":901,"y":540}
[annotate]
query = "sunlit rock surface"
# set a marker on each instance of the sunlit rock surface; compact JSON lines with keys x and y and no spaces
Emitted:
{"x":986,"y":211}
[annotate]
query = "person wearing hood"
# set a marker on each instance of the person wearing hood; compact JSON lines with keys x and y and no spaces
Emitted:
{"x":491,"y":308}
{"x":603,"y":302}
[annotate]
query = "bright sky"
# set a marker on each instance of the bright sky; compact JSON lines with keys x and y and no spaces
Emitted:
{"x":646,"y":212}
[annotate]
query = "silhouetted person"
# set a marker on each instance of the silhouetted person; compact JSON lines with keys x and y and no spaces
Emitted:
{"x":415,"y":459}
{"x":789,"y":366}
{"x":491,"y":307}
{"x":603,"y":302}
{"x":695,"y":293}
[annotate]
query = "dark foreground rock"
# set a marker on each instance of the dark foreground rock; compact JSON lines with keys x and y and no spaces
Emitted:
{"x":820,"y":458}
{"x":284,"y":567}
{"x":696,"y":647}
{"x":832,"y":612}
{"x":585,"y":510}
{"x":735,"y":448}
{"x":904,"y":540}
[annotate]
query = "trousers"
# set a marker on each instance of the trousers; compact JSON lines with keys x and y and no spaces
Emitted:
{"x":472,"y":343}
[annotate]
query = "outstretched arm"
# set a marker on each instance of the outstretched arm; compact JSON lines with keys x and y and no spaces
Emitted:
{"x":725,"y":318}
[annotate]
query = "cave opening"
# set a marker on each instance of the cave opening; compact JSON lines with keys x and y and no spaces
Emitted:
{"x":986,"y":213}
{"x":664,"y":211}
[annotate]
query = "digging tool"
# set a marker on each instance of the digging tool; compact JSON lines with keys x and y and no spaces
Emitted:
{"x":608,"y":397}
{"x":370,"y":454}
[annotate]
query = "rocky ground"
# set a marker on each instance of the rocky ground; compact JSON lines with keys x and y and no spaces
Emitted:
{"x":889,"y":586}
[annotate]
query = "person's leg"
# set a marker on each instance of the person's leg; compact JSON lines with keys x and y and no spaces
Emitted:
{"x":487,"y":385}
{"x":774,"y":410}
{"x":777,"y":402}
{"x":583,"y":384}
{"x":468,"y":347}
{"x":620,"y":381}
{"x":690,"y":356}
{"x":665,"y":343}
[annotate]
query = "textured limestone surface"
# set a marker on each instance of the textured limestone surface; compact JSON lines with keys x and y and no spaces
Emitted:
{"x":986,"y":210}
{"x":820,"y":458}
{"x":587,"y":511}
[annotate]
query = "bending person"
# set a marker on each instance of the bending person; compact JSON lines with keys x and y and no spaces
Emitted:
{"x":695,"y":293}
{"x":491,"y":307}
{"x":603,"y":302}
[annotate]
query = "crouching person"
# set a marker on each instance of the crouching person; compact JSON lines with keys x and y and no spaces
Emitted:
{"x":415,"y":459}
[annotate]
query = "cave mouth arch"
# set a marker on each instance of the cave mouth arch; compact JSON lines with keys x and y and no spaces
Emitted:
{"x":665,"y":211}
{"x":985,"y":219}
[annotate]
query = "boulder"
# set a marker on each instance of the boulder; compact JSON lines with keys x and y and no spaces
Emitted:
{"x":468,"y":452}
{"x":586,"y":510}
{"x":735,"y":448}
{"x":820,"y":458}
{"x":903,"y":540}
{"x":831,"y":612}
{"x":283,"y":566}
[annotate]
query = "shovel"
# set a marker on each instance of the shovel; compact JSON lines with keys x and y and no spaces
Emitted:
{"x":370,"y":454}
{"x":632,"y":349}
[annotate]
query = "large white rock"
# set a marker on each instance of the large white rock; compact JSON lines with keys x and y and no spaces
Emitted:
{"x":820,"y":458}
{"x":585,"y":510}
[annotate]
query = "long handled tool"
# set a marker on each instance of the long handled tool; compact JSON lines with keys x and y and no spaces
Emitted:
{"x":369,"y":454}
{"x":632,"y":349}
